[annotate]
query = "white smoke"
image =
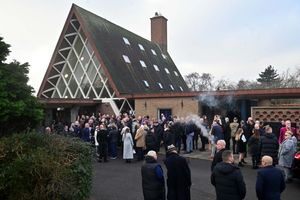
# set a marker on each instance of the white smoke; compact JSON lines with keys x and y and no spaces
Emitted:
{"x":195,"y":119}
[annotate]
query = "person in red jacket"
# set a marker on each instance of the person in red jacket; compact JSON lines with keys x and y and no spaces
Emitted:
{"x":288,"y":127}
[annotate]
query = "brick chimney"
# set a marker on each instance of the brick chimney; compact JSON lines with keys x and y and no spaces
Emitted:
{"x":159,"y":31}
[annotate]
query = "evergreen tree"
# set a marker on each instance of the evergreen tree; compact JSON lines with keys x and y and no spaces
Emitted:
{"x":19,"y":108}
{"x":269,"y":78}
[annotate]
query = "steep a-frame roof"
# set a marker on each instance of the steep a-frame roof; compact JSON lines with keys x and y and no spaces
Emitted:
{"x":124,"y":62}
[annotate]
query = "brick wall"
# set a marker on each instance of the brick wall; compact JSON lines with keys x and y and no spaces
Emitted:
{"x":181,"y":107}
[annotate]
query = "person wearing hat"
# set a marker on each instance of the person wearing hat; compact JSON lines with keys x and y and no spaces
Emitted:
{"x":179,"y":175}
{"x":153,"y":181}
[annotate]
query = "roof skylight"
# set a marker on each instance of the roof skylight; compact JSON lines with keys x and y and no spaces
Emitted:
{"x":126,"y":41}
{"x":160,"y":85}
{"x":141,"y":47}
{"x":164,"y":56}
{"x":180,"y":88}
{"x":156,"y":67}
{"x":172,"y":88}
{"x":146,"y":83}
{"x":143,"y":63}
{"x":167,"y":71}
{"x":154,"y":53}
{"x":126,"y":59}
{"x":176,"y":74}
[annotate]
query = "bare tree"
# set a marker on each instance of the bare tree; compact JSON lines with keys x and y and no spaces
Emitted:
{"x":225,"y":84}
{"x":290,"y":79}
{"x":198,"y":82}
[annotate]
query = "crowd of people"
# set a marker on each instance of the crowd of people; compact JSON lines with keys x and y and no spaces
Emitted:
{"x":145,"y":137}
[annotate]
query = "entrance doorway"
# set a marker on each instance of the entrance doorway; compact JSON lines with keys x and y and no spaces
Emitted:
{"x":167,"y":112}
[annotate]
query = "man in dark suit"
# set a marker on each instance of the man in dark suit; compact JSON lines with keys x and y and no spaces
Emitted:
{"x":179,"y":176}
{"x":221,"y":144}
{"x":270,"y":180}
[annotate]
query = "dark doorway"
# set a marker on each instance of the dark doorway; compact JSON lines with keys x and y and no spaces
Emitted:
{"x":166,"y":112}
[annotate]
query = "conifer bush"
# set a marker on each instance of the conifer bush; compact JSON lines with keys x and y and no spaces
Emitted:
{"x":39,"y":166}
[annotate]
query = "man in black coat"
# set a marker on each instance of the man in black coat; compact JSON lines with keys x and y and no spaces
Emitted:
{"x":228,"y":179}
{"x":221,"y":144}
{"x":153,"y":181}
{"x":268,"y":145}
{"x":227,"y":132}
{"x":179,"y":176}
{"x":270,"y":181}
{"x":102,"y":139}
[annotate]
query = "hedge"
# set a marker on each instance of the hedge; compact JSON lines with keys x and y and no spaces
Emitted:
{"x":39,"y":166}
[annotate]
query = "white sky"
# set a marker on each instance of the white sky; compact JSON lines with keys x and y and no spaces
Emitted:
{"x":231,"y":39}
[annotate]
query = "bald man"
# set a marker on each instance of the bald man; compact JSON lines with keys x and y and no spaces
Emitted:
{"x":270,"y":180}
{"x":221,"y":144}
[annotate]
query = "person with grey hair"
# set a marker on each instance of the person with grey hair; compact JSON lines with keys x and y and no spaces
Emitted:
{"x":228,"y":179}
{"x":153,"y":181}
{"x":220,"y":146}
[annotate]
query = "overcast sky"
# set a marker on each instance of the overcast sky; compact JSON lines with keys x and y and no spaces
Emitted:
{"x":231,"y":39}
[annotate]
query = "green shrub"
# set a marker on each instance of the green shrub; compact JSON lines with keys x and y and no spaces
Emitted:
{"x":38,"y":166}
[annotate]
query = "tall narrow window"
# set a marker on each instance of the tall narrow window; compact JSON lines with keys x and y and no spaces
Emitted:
{"x":126,"y":59}
{"x":126,"y":41}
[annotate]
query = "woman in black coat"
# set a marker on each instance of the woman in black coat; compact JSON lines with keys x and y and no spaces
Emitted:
{"x":253,"y":145}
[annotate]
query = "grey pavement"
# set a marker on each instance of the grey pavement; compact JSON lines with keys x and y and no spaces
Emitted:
{"x":117,"y":180}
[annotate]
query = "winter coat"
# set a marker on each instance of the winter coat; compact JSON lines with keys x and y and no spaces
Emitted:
{"x":179,"y":177}
{"x":282,"y":132}
{"x":253,"y":144}
{"x":113,"y":136}
{"x":242,"y":143}
{"x":168,"y":137}
{"x":150,"y":141}
{"x":178,"y":130}
{"x":286,"y":153}
{"x":86,"y":135}
{"x":102,"y":137}
{"x":268,"y":145}
{"x":227,"y":131}
{"x":217,"y":132}
{"x":269,"y":183}
{"x":153,"y":180}
{"x":217,"y":159}
{"x":233,"y":128}
{"x":127,"y":146}
{"x":228,"y":181}
{"x":140,"y":138}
